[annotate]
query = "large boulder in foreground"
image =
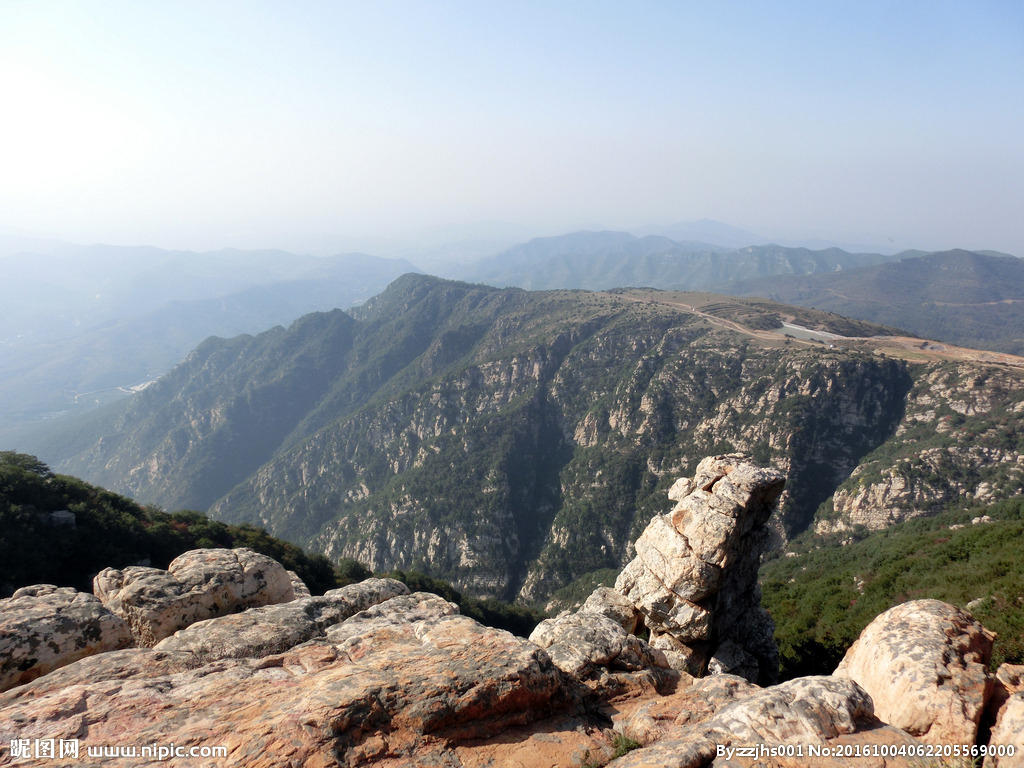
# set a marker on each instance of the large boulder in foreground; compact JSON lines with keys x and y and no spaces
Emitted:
{"x":825,"y":713}
{"x":45,"y":627}
{"x":580,"y":644}
{"x":197,"y":585}
{"x":694,"y":577}
{"x":924,"y":663}
{"x":395,"y":684}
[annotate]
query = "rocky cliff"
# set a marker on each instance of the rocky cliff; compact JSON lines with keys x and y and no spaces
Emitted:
{"x":956,"y":445}
{"x":370,"y":675}
{"x":511,"y":442}
{"x":694,"y":578}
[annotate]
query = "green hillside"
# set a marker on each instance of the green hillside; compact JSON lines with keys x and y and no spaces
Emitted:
{"x":57,"y":529}
{"x":824,"y":596}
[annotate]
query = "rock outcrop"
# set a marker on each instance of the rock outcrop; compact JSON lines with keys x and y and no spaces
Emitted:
{"x":825,"y":713}
{"x":583,"y":643}
{"x":299,"y":588}
{"x":1009,"y":679}
{"x":408,"y":681}
{"x":614,"y":605}
{"x":694,"y":578}
{"x":391,"y":685}
{"x":197,"y":585}
{"x":44,"y":627}
{"x":1008,"y":730}
{"x":371,"y":675}
{"x":273,"y":629}
{"x":924,"y":663}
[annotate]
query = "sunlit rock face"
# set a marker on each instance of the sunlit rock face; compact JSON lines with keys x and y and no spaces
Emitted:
{"x":371,"y":675}
{"x":44,"y":627}
{"x":925,"y":665}
{"x":694,"y":578}
{"x":197,"y":585}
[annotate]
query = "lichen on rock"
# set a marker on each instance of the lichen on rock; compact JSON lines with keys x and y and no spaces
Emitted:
{"x":199,"y":584}
{"x":44,"y":627}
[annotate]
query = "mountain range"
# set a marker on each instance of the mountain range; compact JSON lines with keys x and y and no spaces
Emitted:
{"x":88,"y":325}
{"x":84,"y":325}
{"x":513,"y":441}
{"x":604,"y":260}
{"x":961,"y":297}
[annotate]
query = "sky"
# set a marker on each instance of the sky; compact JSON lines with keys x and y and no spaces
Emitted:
{"x":203,"y":125}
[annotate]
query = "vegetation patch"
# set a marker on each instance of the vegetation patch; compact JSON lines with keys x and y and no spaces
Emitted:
{"x":822,"y":598}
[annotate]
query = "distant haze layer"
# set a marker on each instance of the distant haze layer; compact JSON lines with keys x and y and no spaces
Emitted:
{"x":265,"y":125}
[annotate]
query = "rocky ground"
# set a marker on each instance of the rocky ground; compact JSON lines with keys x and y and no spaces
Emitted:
{"x":226,"y":649}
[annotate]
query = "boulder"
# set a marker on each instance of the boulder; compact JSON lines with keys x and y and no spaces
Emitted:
{"x":580,"y":643}
{"x":823,"y":712}
{"x":689,"y":659}
{"x":1008,"y":731}
{"x":299,"y":588}
{"x":924,"y":663}
{"x":396,"y":684}
{"x":197,"y":585}
{"x":607,"y":602}
{"x":271,"y":629}
{"x":694,"y":700}
{"x":44,"y":627}
{"x":803,"y":710}
{"x":694,"y":577}
{"x":1009,"y":679}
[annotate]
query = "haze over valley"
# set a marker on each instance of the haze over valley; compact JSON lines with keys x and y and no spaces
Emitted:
{"x":472,"y":384}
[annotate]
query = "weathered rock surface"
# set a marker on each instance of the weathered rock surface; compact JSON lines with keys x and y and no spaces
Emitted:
{"x":612,"y":604}
{"x":822,"y":711}
{"x":1009,"y":679}
{"x":580,"y":643}
{"x":694,"y":578}
{"x":44,"y":627}
{"x":390,"y":686}
{"x":272,"y":629}
{"x":1009,"y":729}
{"x":924,"y":665}
{"x":693,"y":701}
{"x":197,"y":585}
{"x":299,"y":588}
{"x":370,"y":675}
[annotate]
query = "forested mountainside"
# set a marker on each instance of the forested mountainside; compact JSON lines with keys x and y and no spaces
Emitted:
{"x":511,"y":442}
{"x":960,"y":297}
{"x":604,"y":260}
{"x":821,"y":597}
{"x":60,"y":530}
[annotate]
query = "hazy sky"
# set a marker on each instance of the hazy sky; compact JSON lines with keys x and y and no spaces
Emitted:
{"x":208,"y":124}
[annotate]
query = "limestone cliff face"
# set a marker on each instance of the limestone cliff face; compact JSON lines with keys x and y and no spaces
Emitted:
{"x":511,"y":442}
{"x":957,"y":443}
{"x":811,"y":417}
{"x":517,"y":475}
